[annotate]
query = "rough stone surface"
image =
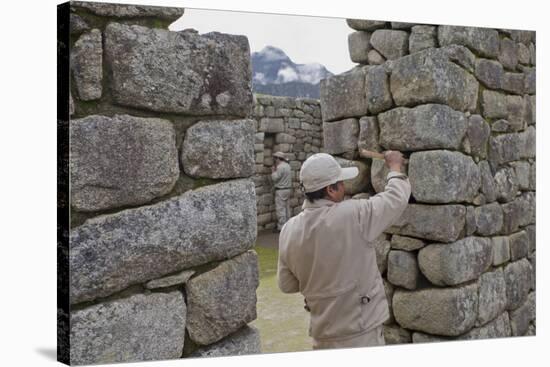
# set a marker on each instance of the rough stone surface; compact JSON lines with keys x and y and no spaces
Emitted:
{"x":492,"y":296}
{"x":392,"y":44}
{"x":470,"y":220}
{"x":368,"y":134}
{"x":111,"y":252}
{"x":244,"y":341}
{"x":460,"y":55}
{"x":359,"y":183}
{"x":522,"y":316}
{"x":528,"y":143}
{"x":86,"y":65}
{"x":489,"y":219}
{"x":179,"y":278}
{"x":455,"y":263}
{"x":489,"y":72}
{"x":483,"y":41}
{"x":522,"y":171}
{"x":129,"y":11}
{"x":532,"y":237}
{"x":506,"y":184}
{"x":501,"y":250}
{"x":394,"y":334}
{"x":78,"y":25}
{"x":120,"y":161}
{"x":508,"y":55}
{"x":432,"y":222}
{"x":498,"y":328}
{"x":272,"y":125}
{"x":406,"y":243}
{"x":530,"y":86}
{"x":430,"y":77}
{"x":402,"y":269}
{"x":219,"y":149}
{"x":365,"y":25}
{"x":440,"y":311}
{"x":377,"y":87}
{"x":504,"y":148}
{"x":477,"y":135}
{"x":343,"y":95}
{"x":442,"y":176}
{"x":496,"y":105}
{"x":374,"y":58}
{"x":340,"y":136}
{"x":488,"y":185}
{"x":513,"y":83}
{"x":519,"y":245}
{"x":422,"y":37}
{"x":140,"y":327}
{"x":518,"y":282}
{"x":430,"y":126}
{"x":359,"y":46}
{"x":222,"y":300}
{"x":179,"y":72}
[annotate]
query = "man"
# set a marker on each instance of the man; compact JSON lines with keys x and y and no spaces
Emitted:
{"x":327,"y":252}
{"x":282,"y":182}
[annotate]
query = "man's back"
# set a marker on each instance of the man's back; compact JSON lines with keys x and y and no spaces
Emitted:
{"x":327,"y":254}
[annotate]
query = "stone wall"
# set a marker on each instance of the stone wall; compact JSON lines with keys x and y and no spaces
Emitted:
{"x":163,"y":205}
{"x":460,"y":103}
{"x":292,"y":126}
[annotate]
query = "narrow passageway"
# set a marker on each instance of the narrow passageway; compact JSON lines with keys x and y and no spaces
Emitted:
{"x":282,"y":320}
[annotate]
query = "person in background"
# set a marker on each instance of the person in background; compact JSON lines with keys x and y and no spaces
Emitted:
{"x":282,"y":183}
{"x":327,"y":252}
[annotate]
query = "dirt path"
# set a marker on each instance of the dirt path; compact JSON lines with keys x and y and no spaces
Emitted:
{"x":282,"y":320}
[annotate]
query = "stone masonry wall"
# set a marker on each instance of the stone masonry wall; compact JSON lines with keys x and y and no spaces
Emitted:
{"x":459,"y":102}
{"x":289,"y":125}
{"x":163,"y":205}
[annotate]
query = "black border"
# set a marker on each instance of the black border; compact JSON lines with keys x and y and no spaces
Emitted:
{"x":63,"y":304}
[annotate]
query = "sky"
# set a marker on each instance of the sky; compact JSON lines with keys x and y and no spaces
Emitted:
{"x":305,"y":39}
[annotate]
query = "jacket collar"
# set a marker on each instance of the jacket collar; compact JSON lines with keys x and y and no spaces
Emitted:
{"x":317,"y":204}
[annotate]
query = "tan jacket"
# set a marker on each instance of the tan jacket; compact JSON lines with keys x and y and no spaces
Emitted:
{"x":282,"y":176}
{"x":327,"y":253}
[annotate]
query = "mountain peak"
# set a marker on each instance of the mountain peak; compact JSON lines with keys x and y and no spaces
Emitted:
{"x":272,"y":66}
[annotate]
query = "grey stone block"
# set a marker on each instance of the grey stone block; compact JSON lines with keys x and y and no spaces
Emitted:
{"x":430,"y":126}
{"x":430,"y":77}
{"x":121,"y":161}
{"x":87,"y":65}
{"x":455,"y":263}
{"x":403,"y":269}
{"x":141,"y":327}
{"x":492,"y":296}
{"x":343,"y":95}
{"x":442,"y":223}
{"x":483,"y":41}
{"x":219,"y":149}
{"x":222,"y":300}
{"x":440,"y":311}
{"x":442,"y":176}
{"x":112,"y":252}
{"x":179,"y":72}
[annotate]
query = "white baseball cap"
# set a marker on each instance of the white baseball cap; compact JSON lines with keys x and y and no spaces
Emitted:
{"x":321,"y":170}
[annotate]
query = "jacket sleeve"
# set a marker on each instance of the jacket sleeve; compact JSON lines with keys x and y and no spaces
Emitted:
{"x":285,"y":278}
{"x":382,"y":210}
{"x":276,"y":176}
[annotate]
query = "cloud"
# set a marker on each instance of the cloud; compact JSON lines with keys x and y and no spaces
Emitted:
{"x":259,"y":77}
{"x":311,"y":73}
{"x":287,"y":74}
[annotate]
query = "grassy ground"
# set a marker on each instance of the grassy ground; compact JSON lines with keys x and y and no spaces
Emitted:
{"x":282,"y":320}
